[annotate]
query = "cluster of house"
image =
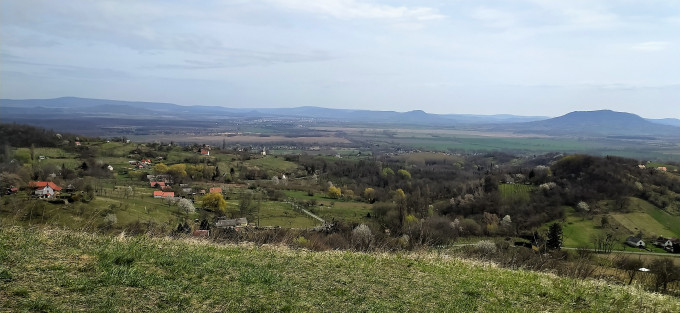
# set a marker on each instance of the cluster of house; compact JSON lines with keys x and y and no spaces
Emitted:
{"x":143,"y":163}
{"x":164,"y":183}
{"x":671,"y":245}
{"x":658,"y":168}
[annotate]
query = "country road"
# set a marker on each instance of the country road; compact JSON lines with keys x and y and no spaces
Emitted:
{"x":675,"y":255}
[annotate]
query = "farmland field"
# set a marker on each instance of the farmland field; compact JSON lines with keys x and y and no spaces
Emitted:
{"x":515,"y":192}
{"x":636,"y":222}
{"x":272,"y":164}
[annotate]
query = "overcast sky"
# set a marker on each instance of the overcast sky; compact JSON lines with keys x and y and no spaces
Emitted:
{"x":480,"y":57}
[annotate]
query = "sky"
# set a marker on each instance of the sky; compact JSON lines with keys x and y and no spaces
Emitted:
{"x":533,"y":57}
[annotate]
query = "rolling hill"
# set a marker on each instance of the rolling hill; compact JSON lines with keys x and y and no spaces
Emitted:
{"x":68,"y":111}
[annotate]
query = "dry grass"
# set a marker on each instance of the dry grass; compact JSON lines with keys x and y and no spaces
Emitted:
{"x":51,"y":270}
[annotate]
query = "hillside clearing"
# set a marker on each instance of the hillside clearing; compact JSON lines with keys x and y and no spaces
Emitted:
{"x":56,"y":270}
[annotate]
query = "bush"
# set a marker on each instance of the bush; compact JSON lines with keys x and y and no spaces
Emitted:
{"x":301,"y":242}
{"x":486,"y":248}
{"x":362,"y":237}
{"x":437,"y":230}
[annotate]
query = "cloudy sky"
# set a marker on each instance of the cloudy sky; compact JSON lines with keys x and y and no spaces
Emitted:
{"x":530,"y":57}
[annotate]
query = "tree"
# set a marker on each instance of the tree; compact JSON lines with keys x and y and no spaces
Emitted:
{"x":630,"y":265}
{"x":400,"y":200}
{"x":245,"y":203}
{"x":334,"y":192}
{"x":664,"y":272}
{"x":216,"y":202}
{"x":554,"y":237}
{"x":362,"y":237}
{"x":404,"y":173}
{"x":160,"y":168}
{"x":387,"y":172}
{"x":604,"y":221}
{"x":604,"y":242}
{"x":186,"y":205}
{"x":369,"y":194}
{"x":177,"y":170}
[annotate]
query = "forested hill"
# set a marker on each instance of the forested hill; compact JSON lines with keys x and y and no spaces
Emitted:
{"x":17,"y":135}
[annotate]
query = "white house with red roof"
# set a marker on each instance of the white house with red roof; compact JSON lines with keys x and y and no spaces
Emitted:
{"x":45,"y":189}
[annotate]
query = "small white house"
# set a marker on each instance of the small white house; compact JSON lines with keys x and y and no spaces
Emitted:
{"x":635,"y":242}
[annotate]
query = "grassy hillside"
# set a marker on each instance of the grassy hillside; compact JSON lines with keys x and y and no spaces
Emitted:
{"x":60,"y":271}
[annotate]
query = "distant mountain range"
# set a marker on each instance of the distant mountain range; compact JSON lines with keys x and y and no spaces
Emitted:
{"x":591,"y":123}
{"x":72,"y":106}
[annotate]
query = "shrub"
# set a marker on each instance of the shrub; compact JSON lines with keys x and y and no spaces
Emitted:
{"x":362,"y":237}
{"x":486,"y":248}
{"x":301,"y":242}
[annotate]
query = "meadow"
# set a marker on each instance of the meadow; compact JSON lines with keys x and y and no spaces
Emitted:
{"x":52,"y":270}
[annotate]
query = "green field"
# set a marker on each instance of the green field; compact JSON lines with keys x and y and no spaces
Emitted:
{"x":60,"y":271}
{"x":353,"y":212}
{"x":515,"y":192}
{"x":272,"y":164}
{"x":281,"y":214}
{"x":579,"y":232}
{"x":643,"y":216}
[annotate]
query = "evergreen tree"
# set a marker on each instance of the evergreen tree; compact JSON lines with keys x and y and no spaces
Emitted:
{"x":555,"y":237}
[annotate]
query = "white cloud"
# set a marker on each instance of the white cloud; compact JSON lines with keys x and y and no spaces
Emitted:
{"x":351,"y":9}
{"x":651,"y":46}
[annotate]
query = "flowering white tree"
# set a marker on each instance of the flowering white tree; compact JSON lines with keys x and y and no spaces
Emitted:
{"x":186,"y":205}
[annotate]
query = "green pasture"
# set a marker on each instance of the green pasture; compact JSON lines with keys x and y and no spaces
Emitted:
{"x":351,"y":212}
{"x":578,"y":231}
{"x":272,"y":164}
{"x":515,"y":192}
{"x":115,"y":149}
{"x":281,"y":214}
{"x":302,"y":195}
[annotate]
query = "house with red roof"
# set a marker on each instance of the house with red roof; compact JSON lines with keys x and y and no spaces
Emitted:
{"x":163,"y":194}
{"x":215,"y":190}
{"x":205,"y":152}
{"x":157,"y":184}
{"x":44,"y":189}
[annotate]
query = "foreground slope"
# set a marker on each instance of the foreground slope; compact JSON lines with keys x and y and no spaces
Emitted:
{"x":55,"y":270}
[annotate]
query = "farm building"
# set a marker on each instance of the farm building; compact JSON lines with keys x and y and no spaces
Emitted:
{"x":230,"y":223}
{"x":635,"y":242}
